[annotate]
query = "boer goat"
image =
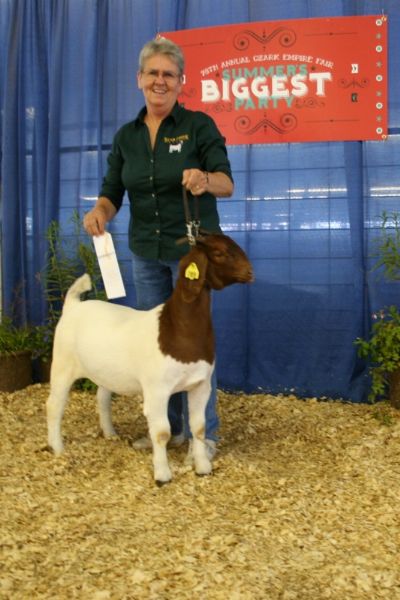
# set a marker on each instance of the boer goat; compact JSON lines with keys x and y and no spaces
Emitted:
{"x":157,"y":352}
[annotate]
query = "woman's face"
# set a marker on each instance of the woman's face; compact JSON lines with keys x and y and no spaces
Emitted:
{"x":160,"y":82}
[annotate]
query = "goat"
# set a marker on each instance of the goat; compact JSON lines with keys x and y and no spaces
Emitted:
{"x":156,"y":352}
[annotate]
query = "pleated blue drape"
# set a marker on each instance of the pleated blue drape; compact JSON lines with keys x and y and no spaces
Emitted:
{"x":306,"y":214}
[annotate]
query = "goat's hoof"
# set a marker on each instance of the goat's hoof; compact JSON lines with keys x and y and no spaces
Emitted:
{"x":162,"y":483}
{"x":206,"y":470}
{"x":203,"y":473}
{"x":111,"y":436}
{"x":203,"y":467}
{"x":46,"y":448}
{"x":162,"y":475}
{"x":57,"y":450}
{"x":106,"y":433}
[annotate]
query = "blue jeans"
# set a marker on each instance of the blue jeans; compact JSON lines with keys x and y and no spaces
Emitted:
{"x":154,"y":281}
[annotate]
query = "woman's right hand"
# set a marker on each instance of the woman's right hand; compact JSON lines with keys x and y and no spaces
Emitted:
{"x":96,"y":219}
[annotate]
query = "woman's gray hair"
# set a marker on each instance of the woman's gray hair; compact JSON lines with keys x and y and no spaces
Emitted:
{"x":163,"y":46}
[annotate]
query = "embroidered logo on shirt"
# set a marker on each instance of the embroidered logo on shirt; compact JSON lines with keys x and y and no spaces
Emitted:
{"x":176,"y":143}
{"x":175,"y":147}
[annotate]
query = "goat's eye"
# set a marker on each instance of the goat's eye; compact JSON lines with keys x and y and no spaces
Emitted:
{"x":217,"y":255}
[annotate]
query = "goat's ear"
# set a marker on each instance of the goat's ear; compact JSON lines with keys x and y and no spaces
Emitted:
{"x":192,"y":271}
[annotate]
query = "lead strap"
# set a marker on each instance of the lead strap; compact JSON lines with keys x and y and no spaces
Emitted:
{"x":192,"y":225}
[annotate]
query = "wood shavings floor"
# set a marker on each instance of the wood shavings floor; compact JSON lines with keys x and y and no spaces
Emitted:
{"x":303,"y":504}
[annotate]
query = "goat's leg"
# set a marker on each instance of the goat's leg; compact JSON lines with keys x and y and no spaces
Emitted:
{"x":104,"y":409}
{"x":197,"y":402}
{"x":156,"y":412}
{"x":55,"y":406}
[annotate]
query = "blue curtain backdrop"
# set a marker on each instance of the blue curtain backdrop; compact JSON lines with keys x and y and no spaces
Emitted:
{"x":305,"y":213}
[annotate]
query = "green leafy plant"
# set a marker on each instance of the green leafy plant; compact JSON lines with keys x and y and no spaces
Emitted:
{"x":14,"y":339}
{"x":67,"y":258}
{"x":382,"y":348}
{"x":388,"y":246}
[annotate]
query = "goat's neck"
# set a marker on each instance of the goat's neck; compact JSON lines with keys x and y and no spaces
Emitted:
{"x":186,"y":331}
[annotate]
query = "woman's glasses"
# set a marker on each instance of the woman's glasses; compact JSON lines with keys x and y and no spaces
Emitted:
{"x":168,"y":76}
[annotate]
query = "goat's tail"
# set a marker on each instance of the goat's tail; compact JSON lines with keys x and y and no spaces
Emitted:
{"x":82,"y":284}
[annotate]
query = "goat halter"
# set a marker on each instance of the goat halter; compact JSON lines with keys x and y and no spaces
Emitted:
{"x":193,"y":231}
{"x":192,"y":225}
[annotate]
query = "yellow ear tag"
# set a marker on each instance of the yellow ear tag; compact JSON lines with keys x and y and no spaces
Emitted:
{"x":192,"y":272}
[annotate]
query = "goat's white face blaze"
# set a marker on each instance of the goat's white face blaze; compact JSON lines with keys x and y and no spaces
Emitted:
{"x":158,"y":352}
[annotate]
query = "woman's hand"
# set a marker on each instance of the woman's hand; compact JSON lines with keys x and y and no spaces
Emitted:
{"x":96,"y":219}
{"x":198,"y":182}
{"x":195,"y":181}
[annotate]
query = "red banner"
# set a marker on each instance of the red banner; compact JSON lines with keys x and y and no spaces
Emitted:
{"x":289,"y":81}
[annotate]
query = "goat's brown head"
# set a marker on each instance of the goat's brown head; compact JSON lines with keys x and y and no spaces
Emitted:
{"x":216,"y":261}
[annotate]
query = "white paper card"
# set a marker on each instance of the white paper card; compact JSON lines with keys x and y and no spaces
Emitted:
{"x":109,"y":267}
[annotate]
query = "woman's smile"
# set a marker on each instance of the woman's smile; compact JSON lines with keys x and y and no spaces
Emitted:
{"x":161,"y":83}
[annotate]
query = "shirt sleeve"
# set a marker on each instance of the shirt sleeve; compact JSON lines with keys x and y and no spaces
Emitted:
{"x":212,"y":149}
{"x":112,"y":186}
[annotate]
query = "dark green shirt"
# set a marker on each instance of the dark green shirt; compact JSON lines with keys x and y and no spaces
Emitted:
{"x":152,"y":178}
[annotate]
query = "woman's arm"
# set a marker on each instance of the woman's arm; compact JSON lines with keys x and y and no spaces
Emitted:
{"x":95,"y":220}
{"x":198,"y":182}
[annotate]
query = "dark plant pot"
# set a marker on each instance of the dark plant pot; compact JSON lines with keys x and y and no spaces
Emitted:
{"x":394,"y":388}
{"x":41,"y":370}
{"x":15,"y":371}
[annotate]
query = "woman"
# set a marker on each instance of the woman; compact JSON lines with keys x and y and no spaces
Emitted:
{"x":164,"y":148}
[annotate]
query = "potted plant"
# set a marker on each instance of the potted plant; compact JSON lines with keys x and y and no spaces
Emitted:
{"x":67,"y":257}
{"x":382,"y":348}
{"x":16,"y":347}
{"x":25,"y":351}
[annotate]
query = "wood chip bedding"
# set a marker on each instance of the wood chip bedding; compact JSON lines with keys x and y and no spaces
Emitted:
{"x":303,"y":503}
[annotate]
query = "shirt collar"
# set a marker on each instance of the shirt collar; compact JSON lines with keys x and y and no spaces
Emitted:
{"x":174,"y":114}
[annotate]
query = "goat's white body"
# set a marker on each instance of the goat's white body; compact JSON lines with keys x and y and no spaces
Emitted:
{"x":117,"y":348}
{"x":128,"y":351}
